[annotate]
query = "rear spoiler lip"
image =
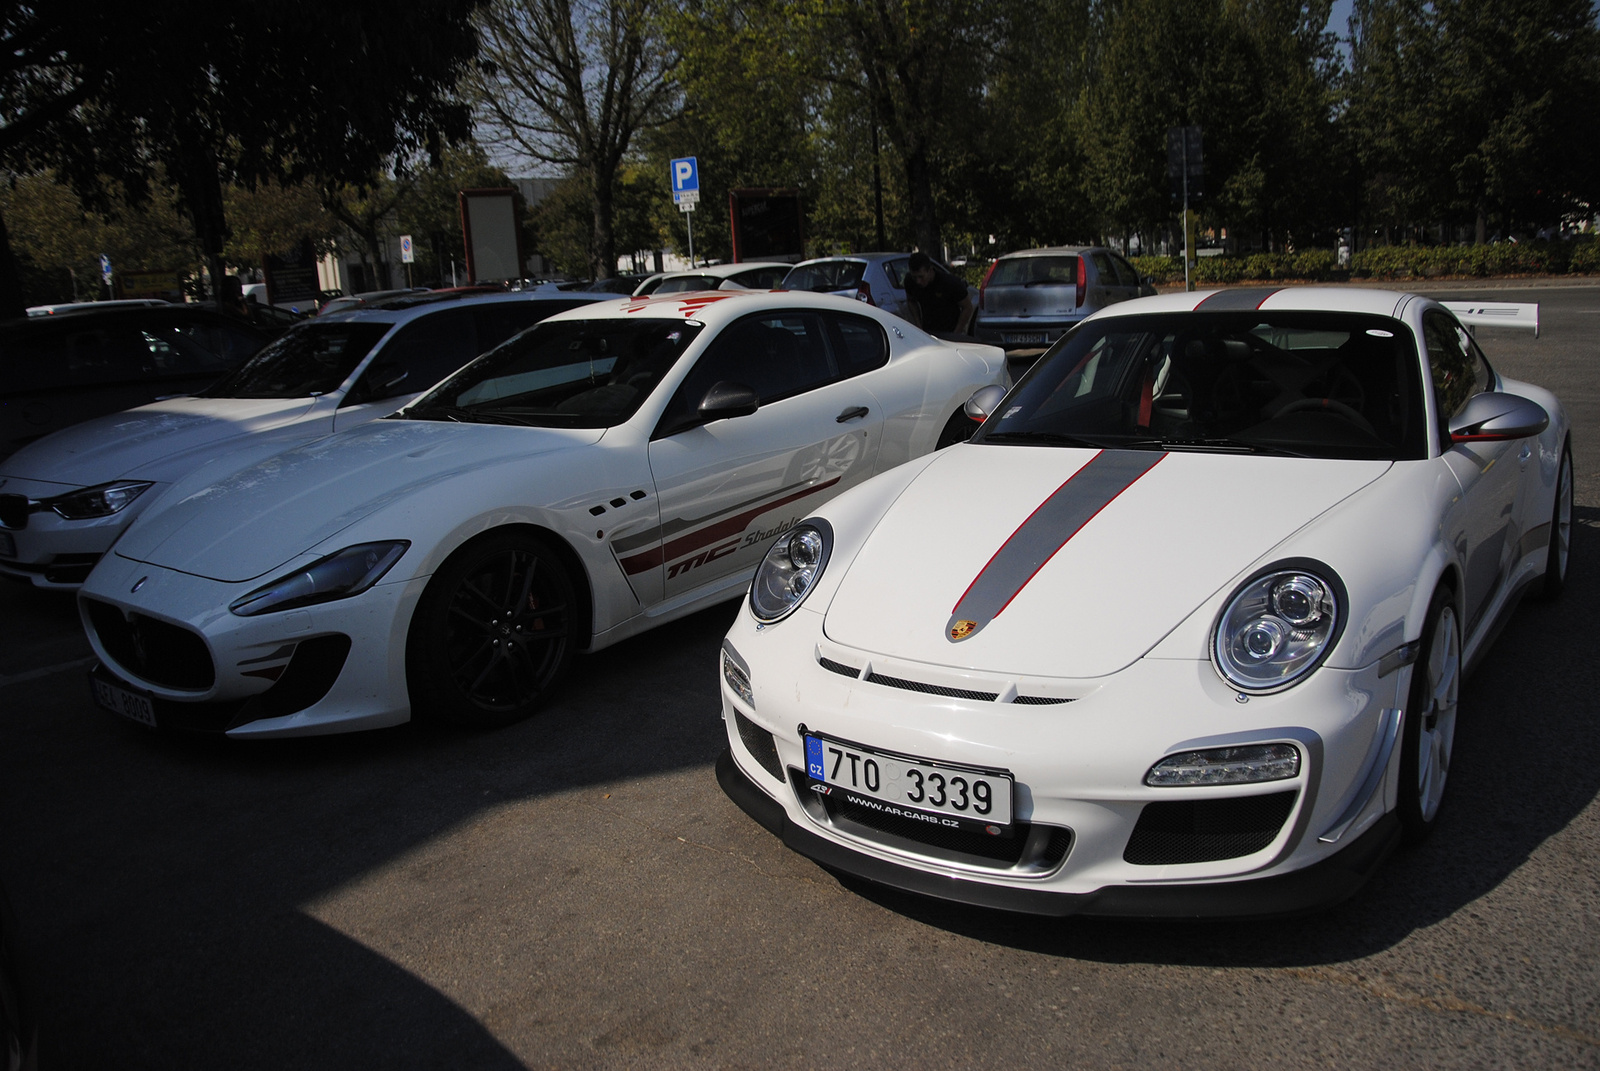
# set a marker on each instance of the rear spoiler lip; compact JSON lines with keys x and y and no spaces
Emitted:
{"x":1496,"y":314}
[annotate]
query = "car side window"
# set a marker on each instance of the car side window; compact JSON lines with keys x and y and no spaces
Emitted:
{"x":777,"y":355}
{"x":861,"y":344}
{"x":499,"y":321}
{"x":173,"y":353}
{"x":107,"y":355}
{"x":425,"y":350}
{"x":1457,"y":373}
{"x":896,"y":271}
{"x":1105,"y":274}
{"x":1126,"y":275}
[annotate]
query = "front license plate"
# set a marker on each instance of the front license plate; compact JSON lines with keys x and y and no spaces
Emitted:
{"x":121,"y":701}
{"x":965,"y":796}
{"x":1026,"y":336}
{"x":8,"y":545}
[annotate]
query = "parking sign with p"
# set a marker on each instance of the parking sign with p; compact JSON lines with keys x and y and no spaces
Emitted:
{"x":685,"y":181}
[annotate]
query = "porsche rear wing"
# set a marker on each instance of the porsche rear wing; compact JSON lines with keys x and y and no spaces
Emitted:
{"x":1495,"y":314}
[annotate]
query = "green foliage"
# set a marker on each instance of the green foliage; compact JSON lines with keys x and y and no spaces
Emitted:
{"x":1385,"y":262}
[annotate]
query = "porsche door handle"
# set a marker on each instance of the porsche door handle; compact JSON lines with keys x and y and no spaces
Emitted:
{"x":855,"y":412}
{"x":1527,"y":452}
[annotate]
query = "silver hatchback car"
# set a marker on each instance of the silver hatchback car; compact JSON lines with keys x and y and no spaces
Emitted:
{"x":1031,"y":298}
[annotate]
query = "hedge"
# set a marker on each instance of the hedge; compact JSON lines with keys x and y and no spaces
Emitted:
{"x":1576,"y":257}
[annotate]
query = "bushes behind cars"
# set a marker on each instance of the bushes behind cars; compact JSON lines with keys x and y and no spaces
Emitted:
{"x":1577,"y":257}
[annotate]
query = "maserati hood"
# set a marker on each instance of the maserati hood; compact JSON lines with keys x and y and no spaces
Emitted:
{"x":261,"y":516}
{"x":1069,"y":563}
{"x":158,"y":441}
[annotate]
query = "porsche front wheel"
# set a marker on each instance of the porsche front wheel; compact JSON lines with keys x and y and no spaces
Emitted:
{"x":1429,"y":729}
{"x":1555,"y":564}
{"x":492,"y":633}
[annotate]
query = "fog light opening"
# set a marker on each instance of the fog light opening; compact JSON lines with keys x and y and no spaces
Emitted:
{"x":1226,"y":766}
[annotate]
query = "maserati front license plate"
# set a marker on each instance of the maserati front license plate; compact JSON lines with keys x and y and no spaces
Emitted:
{"x":960,"y":796}
{"x":121,"y":701}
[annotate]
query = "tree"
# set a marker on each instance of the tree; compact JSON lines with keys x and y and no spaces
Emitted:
{"x":220,"y":94}
{"x":571,"y":85}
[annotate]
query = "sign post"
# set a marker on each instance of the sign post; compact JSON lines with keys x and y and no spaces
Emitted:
{"x":106,"y":274}
{"x":685,"y":173}
{"x":1186,"y":165}
{"x":407,"y":255}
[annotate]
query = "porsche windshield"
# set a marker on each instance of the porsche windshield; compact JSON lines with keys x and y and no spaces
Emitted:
{"x":562,"y":374}
{"x":1318,"y":384}
{"x":312,"y":358}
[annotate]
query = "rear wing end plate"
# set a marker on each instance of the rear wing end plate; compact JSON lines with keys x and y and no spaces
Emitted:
{"x":1496,"y":314}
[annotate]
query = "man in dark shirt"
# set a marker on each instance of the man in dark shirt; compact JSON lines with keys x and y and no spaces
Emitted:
{"x":936,"y":301}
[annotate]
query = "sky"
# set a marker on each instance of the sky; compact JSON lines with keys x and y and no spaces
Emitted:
{"x":1339,"y":22}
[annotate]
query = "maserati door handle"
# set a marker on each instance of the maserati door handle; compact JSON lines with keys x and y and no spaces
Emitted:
{"x":853,"y":413}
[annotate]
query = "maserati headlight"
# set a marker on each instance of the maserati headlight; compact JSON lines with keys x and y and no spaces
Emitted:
{"x":338,"y":576}
{"x":101,"y":500}
{"x":790,"y":569}
{"x":1277,"y":627}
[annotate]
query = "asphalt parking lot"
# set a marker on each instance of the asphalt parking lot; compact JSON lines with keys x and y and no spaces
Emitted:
{"x":577,"y":892}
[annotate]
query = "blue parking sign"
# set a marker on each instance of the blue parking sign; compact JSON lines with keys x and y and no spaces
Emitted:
{"x":685,"y":173}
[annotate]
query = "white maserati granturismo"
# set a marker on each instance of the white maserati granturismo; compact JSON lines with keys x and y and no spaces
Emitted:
{"x":611,"y":469}
{"x":1180,"y":631}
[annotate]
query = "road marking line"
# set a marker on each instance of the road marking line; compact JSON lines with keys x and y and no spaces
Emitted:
{"x":47,"y":671}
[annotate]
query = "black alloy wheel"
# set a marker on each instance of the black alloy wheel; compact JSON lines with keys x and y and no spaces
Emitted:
{"x":1428,"y":729}
{"x":492,"y":633}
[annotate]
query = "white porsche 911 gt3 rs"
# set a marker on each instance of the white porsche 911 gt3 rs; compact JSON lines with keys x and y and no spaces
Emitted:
{"x":605,"y":472}
{"x":1179,"y":632}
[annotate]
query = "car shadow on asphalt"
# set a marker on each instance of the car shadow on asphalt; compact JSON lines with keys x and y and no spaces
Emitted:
{"x":1527,"y":763}
{"x":163,"y":881}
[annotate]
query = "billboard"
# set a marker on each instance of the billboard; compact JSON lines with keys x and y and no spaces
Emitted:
{"x":493,"y":238}
{"x":766,"y":224}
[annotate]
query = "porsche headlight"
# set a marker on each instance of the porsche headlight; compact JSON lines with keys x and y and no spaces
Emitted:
{"x":338,"y":576}
{"x":102,"y":500}
{"x":1277,"y":627}
{"x":790,"y":569}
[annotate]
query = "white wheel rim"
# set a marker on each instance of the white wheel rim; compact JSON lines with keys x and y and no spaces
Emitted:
{"x":1437,"y":733}
{"x":1563,"y":533}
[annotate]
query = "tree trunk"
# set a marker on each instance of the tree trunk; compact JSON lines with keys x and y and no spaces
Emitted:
{"x":924,"y":214}
{"x":200,"y":189}
{"x":12,"y":301}
{"x":1480,"y":235}
{"x":603,"y":242}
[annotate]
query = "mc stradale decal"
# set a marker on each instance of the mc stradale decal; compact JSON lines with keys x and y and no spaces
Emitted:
{"x":1048,"y":528}
{"x":707,"y":538}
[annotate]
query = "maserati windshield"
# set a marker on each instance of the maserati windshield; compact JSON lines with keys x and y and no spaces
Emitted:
{"x":561,"y":374}
{"x":312,"y":358}
{"x":1316,"y":384}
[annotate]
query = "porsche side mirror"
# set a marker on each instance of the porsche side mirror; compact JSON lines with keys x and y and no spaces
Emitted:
{"x":727,"y":399}
{"x":1492,"y":417}
{"x":983,"y":401}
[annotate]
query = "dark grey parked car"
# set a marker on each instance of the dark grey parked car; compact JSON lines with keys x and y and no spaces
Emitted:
{"x":56,"y":371}
{"x":1031,"y":298}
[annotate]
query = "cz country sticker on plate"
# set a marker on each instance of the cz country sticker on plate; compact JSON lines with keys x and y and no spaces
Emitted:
{"x":940,"y":793}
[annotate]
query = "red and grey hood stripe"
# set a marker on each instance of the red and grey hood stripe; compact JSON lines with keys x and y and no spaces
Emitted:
{"x":1058,"y":518}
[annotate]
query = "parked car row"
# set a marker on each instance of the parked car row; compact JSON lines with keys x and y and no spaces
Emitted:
{"x":1180,"y":631}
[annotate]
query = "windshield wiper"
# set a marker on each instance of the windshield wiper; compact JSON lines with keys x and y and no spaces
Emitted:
{"x":1054,"y":438}
{"x":437,"y":412}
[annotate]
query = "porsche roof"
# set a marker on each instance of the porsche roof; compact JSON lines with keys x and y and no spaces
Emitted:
{"x":1306,"y":298}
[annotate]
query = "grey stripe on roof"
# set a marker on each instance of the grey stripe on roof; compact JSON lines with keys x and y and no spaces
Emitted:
{"x":1245,"y":297}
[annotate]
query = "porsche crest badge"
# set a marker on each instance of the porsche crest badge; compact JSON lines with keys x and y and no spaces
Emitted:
{"x":962,"y":629}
